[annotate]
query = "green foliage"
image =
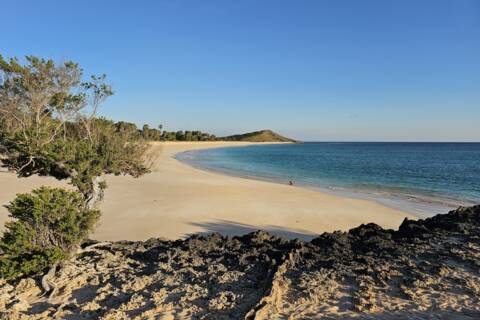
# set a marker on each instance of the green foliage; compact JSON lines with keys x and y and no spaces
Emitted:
{"x":49,"y":126}
{"x":47,"y":225}
{"x":30,"y":263}
{"x":110,"y":152}
{"x":152,"y":134}
{"x":258,"y":136}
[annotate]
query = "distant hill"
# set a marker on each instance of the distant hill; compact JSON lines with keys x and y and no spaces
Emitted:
{"x":258,"y":136}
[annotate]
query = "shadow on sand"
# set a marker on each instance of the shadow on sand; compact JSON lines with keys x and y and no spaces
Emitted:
{"x":231,"y":228}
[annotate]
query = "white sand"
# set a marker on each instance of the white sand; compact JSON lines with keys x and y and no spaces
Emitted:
{"x":176,"y":200}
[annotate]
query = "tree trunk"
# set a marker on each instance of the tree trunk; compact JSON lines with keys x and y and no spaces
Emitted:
{"x":96,"y":193}
{"x":49,"y":287}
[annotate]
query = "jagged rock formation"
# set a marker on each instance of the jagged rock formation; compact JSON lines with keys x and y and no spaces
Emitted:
{"x":427,"y":269}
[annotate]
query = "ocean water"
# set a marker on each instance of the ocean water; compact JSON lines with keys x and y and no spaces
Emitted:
{"x":422,"y":178}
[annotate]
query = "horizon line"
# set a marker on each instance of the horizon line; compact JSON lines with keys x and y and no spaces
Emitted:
{"x":381,"y":141}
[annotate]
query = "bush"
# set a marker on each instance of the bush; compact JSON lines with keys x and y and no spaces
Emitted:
{"x":48,"y":225}
{"x":49,"y":126}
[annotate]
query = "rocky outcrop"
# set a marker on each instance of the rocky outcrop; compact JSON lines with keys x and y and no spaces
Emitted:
{"x":427,"y":269}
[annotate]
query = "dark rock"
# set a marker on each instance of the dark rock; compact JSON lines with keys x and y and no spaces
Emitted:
{"x":426,"y":269}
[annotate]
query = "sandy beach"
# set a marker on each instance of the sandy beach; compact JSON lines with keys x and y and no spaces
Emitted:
{"x":176,"y":200}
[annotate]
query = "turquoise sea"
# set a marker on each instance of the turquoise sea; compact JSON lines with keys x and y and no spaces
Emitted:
{"x":422,"y":178}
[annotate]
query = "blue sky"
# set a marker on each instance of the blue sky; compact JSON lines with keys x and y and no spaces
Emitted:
{"x":314,"y":70}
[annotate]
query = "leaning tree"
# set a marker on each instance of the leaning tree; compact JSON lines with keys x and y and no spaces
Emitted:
{"x":49,"y":126}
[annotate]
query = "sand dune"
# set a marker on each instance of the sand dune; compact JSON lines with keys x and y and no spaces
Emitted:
{"x":176,"y":200}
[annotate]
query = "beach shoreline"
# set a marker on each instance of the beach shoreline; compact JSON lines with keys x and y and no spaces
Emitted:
{"x":420,"y":206}
{"x":176,"y":200}
{"x":418,"y":201}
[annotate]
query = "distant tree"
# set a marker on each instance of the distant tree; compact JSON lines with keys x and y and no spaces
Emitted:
{"x":152,"y":134}
{"x":146,"y":131}
{"x":180,"y":136}
{"x":188,"y":135}
{"x":128,"y":128}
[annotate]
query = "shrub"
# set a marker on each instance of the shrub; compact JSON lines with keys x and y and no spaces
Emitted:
{"x":48,"y":225}
{"x":49,"y":126}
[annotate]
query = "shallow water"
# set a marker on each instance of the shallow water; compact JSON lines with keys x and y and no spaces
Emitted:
{"x":422,"y":178}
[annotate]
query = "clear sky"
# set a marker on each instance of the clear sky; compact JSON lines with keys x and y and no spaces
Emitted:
{"x":314,"y":70}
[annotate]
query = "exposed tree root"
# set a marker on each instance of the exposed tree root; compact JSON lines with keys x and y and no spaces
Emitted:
{"x":93,"y":247}
{"x":48,"y":285}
